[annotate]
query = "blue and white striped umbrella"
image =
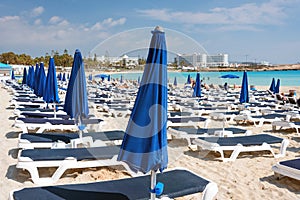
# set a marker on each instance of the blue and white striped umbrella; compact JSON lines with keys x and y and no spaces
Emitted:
{"x":76,"y":101}
{"x":144,"y":145}
{"x":244,"y":95}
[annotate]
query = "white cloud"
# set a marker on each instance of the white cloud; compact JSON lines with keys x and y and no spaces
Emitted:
{"x":55,"y":20}
{"x":270,"y":13}
{"x":109,"y":22}
{"x":37,"y":11}
{"x":22,"y":33}
{"x":7,"y":19}
{"x":37,"y":22}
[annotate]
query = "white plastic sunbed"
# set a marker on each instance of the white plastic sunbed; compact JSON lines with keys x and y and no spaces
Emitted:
{"x":177,"y":183}
{"x":63,"y":159}
{"x":286,"y":124}
{"x":39,"y":125}
{"x":259,"y":142}
{"x":194,"y":121}
{"x":191,"y":133}
{"x":290,"y":168}
{"x":258,"y":120}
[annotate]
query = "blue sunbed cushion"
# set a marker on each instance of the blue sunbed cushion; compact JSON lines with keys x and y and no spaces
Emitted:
{"x":93,"y":153}
{"x":177,"y":183}
{"x":49,"y":137}
{"x":67,"y":137}
{"x":258,"y":139}
{"x":270,"y":116}
{"x":295,"y":163}
{"x":209,"y":130}
{"x":58,"y":121}
{"x":186,"y":119}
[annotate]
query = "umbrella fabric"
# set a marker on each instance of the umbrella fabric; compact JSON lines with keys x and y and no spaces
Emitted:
{"x":42,"y":80}
{"x":13,"y":75}
{"x":277,"y":86}
{"x":24,"y":81}
{"x":175,"y":81}
{"x":229,"y":76}
{"x":121,"y":79}
{"x":51,"y":89}
{"x":29,"y":76}
{"x":188,"y":81}
{"x":36,"y":79}
{"x":108,"y":78}
{"x":64,"y":77}
{"x":90,"y":77}
{"x":144,"y":145}
{"x":197,"y":88}
{"x":244,"y":96}
{"x":272,"y":86}
{"x":76,"y":102}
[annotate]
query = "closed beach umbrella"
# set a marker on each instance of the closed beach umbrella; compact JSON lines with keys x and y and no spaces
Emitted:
{"x":64,"y":77}
{"x":90,"y":77}
{"x":197,"y":88}
{"x":188,"y":81}
{"x":108,"y":78}
{"x":175,"y":81}
{"x":121,"y":79}
{"x":272,"y":86}
{"x":76,"y":102}
{"x":13,"y":75}
{"x":51,"y":89}
{"x":36,"y":78}
{"x":144,"y":146}
{"x":42,"y":80}
{"x":277,"y":86}
{"x":24,"y":81}
{"x":244,"y":96}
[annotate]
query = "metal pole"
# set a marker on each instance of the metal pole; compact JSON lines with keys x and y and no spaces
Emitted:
{"x":153,"y":184}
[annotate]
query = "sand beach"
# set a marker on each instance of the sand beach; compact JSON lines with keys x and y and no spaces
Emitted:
{"x":249,"y":177}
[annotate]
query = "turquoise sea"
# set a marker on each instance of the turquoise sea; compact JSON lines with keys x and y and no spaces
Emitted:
{"x":259,"y":78}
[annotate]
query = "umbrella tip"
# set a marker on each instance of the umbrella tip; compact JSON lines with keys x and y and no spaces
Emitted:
{"x":158,"y":29}
{"x":77,"y":51}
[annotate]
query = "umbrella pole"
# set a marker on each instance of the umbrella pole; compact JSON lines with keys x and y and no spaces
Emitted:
{"x":153,"y":184}
{"x":80,"y":128}
{"x":54,"y":109}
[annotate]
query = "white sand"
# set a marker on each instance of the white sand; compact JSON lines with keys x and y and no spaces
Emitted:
{"x":249,"y":177}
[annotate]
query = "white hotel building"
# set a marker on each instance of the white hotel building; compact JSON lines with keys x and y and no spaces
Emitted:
{"x":203,"y":60}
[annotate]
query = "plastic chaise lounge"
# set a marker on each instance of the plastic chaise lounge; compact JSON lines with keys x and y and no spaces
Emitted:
{"x":34,"y":159}
{"x":187,"y":121}
{"x":191,"y":133}
{"x":68,"y":140}
{"x":42,"y":124}
{"x":259,"y":120}
{"x":177,"y":183}
{"x":286,"y":124}
{"x":259,"y":142}
{"x":290,"y":168}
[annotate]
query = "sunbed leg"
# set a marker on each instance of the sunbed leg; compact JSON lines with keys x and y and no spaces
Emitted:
{"x":210,"y":191}
{"x":283,"y":148}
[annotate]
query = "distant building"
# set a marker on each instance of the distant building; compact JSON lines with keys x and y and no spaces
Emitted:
{"x":124,"y":60}
{"x":203,"y":60}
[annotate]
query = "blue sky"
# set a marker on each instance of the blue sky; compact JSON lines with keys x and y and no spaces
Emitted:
{"x":264,"y":30}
